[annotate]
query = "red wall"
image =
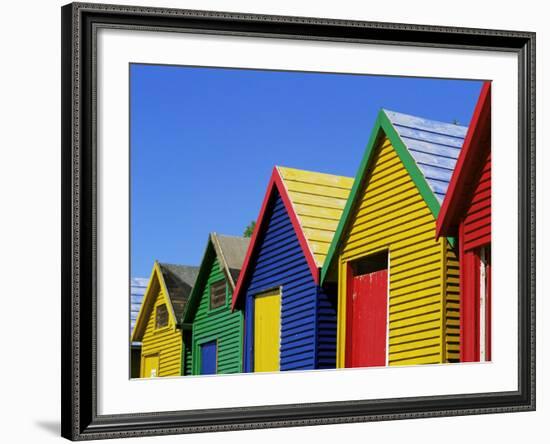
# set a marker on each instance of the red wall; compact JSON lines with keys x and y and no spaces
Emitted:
{"x":474,"y":232}
{"x":477,"y":223}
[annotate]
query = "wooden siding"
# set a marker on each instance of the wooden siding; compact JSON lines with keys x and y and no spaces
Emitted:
{"x":166,"y":342}
{"x":475,"y":232}
{"x":279,"y":261}
{"x":318,"y":200}
{"x":391,"y":214}
{"x":326,"y":327}
{"x":474,"y":157}
{"x":187,"y":364}
{"x":477,"y":220}
{"x":452,"y":304}
{"x":218,"y":324}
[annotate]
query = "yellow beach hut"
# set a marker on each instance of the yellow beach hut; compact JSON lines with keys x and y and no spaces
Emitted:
{"x":157,"y":325}
{"x":398,"y":288}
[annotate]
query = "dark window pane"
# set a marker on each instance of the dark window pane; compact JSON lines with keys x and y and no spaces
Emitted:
{"x":217,"y":294}
{"x":161,"y":319}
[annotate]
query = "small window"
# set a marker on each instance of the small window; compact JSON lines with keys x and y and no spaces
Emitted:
{"x":217,"y":294}
{"x":370,"y":264}
{"x":161,"y":316}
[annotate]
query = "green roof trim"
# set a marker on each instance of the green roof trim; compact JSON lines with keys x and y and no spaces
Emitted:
{"x":381,"y":125}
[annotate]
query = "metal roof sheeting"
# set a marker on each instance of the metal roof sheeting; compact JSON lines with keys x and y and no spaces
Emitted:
{"x":137,"y":291}
{"x":434,"y":145}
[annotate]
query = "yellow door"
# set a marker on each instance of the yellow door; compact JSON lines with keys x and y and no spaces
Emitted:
{"x":267,"y":331}
{"x":150,"y":367}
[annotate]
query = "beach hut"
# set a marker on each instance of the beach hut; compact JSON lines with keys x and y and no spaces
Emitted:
{"x":137,"y":291}
{"x":398,"y":295}
{"x":213,"y":331}
{"x":290,"y":321}
{"x":466,"y":213}
{"x":157,"y":325}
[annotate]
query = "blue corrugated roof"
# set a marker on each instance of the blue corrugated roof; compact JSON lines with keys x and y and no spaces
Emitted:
{"x":434,"y":145}
{"x":137,"y":291}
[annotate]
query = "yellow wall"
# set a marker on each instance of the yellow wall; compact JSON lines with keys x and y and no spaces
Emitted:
{"x":167,"y":341}
{"x":392,"y":215}
{"x":452,"y":299}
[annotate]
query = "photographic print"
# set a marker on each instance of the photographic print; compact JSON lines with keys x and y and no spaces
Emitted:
{"x":285,"y":220}
{"x":275,"y":221}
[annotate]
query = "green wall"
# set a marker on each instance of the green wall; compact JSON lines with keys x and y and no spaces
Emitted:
{"x":218,"y":324}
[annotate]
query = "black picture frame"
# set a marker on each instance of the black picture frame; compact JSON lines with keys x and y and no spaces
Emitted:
{"x":79,"y":386}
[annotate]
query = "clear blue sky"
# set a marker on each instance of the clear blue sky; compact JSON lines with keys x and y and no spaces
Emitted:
{"x":204,"y":142}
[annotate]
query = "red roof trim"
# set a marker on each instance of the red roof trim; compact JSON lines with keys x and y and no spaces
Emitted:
{"x":251,"y":245}
{"x":275,"y":183}
{"x":315,"y":271}
{"x":452,"y":206}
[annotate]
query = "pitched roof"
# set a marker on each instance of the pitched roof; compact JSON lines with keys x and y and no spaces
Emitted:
{"x":137,"y":291}
{"x":176,"y":281}
{"x":230,"y":251}
{"x":460,"y":187}
{"x":434,"y":145}
{"x":428,"y":150}
{"x":314,"y":202}
{"x":179,"y":280}
{"x":318,"y":200}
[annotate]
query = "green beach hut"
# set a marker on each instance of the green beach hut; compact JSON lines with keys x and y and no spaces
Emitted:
{"x":211,"y":331}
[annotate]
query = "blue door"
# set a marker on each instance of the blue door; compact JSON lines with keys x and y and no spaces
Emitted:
{"x":209,"y":353}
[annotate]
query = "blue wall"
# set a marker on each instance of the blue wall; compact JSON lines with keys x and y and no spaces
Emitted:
{"x":308,"y":314}
{"x":326,"y":327}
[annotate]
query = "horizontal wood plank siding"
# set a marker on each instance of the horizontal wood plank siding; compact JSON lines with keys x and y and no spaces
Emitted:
{"x":218,"y":324}
{"x":279,"y":261}
{"x":187,"y":353}
{"x":475,"y":232}
{"x":326,"y":327}
{"x":392,"y":215}
{"x":477,"y":221}
{"x":165,"y":342}
{"x":452,"y":305}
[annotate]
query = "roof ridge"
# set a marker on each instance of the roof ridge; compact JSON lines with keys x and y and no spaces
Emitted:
{"x":275,"y":184}
{"x":177,"y":265}
{"x":457,"y":185}
{"x":317,"y":192}
{"x":424,"y":118}
{"x":234,"y":236}
{"x":219,"y":252}
{"x":312,"y":171}
{"x":291,"y":201}
{"x":385,"y":125}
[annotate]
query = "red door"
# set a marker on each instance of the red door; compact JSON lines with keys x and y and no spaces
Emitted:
{"x":367,"y":321}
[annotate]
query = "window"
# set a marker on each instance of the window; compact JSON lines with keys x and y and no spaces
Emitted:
{"x":370,"y":264}
{"x":161,"y":316}
{"x":217,"y":294}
